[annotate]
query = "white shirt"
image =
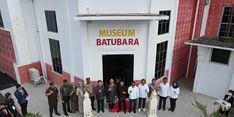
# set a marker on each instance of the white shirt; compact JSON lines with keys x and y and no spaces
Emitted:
{"x":174,"y":92}
{"x":133,"y":92}
{"x":143,"y":90}
{"x":164,"y":89}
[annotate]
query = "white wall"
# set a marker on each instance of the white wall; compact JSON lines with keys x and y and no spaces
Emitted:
{"x":18,"y":31}
{"x":231,"y":86}
{"x":5,"y":15}
{"x":113,"y":6}
{"x":93,"y":53}
{"x":19,"y":20}
{"x":68,"y":33}
{"x":31,"y":30}
{"x":212,"y":79}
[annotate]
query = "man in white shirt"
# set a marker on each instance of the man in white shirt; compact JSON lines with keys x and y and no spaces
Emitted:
{"x":133,"y":95}
{"x":143,"y":92}
{"x":163,"y":93}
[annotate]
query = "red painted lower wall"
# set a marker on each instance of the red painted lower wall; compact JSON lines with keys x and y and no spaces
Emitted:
{"x":24,"y":73}
{"x":56,"y":77}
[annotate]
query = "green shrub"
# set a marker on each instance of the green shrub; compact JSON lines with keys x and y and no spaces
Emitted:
{"x":203,"y":109}
{"x":33,"y":114}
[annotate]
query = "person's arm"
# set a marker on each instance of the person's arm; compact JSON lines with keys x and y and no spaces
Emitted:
{"x":129,"y":90}
{"x":25,"y":92}
{"x":48,"y":92}
{"x":147,"y":88}
{"x":178,"y":91}
{"x":61,"y":94}
{"x":137,"y":93}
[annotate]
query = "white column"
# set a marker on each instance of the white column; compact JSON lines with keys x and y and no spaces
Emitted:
{"x":19,"y":36}
{"x":151,"y":53}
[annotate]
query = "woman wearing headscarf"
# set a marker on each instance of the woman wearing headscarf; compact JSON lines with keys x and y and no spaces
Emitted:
{"x":80,"y":93}
{"x":111,"y":94}
{"x":173,"y":93}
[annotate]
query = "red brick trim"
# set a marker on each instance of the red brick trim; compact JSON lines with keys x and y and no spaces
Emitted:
{"x":7,"y":54}
{"x":23,"y":71}
{"x":56,"y":77}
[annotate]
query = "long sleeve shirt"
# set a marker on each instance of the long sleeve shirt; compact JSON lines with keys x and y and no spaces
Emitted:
{"x":164,"y":89}
{"x":143,"y":90}
{"x":174,"y":92}
{"x":133,"y":92}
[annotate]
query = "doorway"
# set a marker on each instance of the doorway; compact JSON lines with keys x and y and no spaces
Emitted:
{"x":118,"y":67}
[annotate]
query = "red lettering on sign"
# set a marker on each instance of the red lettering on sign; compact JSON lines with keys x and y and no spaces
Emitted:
{"x":130,"y":41}
{"x":124,"y":42}
{"x":136,"y":42}
{"x":98,"y":41}
{"x":119,"y":41}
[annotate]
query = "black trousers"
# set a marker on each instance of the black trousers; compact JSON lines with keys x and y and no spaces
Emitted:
{"x":53,"y":106}
{"x":173,"y":104}
{"x":122,"y":103}
{"x":66,"y":105}
{"x":24,"y":108}
{"x":111,"y":106}
{"x":92,"y":98}
{"x":162,"y":100}
{"x":141,"y":103}
{"x":134,"y":101}
{"x":100,"y":104}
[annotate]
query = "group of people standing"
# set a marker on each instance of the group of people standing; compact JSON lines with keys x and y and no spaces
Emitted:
{"x":72,"y":95}
{"x":134,"y":93}
{"x":9,"y":109}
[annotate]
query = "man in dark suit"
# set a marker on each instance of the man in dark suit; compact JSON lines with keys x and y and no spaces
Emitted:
{"x":22,"y":97}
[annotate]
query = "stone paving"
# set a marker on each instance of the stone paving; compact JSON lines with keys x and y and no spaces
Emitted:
{"x":184,"y":108}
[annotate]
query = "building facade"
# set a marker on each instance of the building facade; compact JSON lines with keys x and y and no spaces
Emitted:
{"x":63,"y":41}
{"x":101,"y":39}
{"x":214,"y":67}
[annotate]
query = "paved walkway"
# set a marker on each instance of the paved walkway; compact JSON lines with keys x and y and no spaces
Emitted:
{"x":38,"y":103}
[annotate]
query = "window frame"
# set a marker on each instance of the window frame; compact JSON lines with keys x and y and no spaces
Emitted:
{"x":56,"y":65}
{"x":161,"y":54}
{"x":51,"y":21}
{"x":162,"y":29}
{"x":229,"y":23}
{"x":216,"y":62}
{"x":1,"y":20}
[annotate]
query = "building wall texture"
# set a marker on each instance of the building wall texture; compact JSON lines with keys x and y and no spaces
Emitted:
{"x":7,"y":55}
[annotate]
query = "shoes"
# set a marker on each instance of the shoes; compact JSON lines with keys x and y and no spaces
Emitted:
{"x":143,"y":110}
{"x":93,"y":109}
{"x":58,"y":114}
{"x":134,"y":111}
{"x":69,"y":111}
{"x":98,"y":111}
{"x":164,"y":109}
{"x":66,"y":114}
{"x":124,"y":112}
{"x":159,"y":108}
{"x":169,"y":109}
{"x":139,"y":110}
{"x":103,"y":111}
